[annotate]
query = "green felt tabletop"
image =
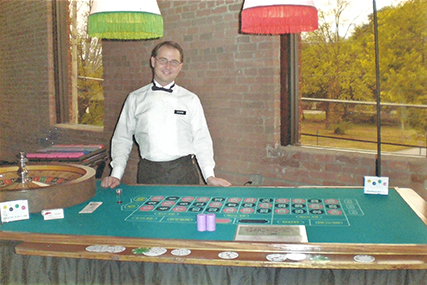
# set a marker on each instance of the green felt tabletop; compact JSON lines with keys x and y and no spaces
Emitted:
{"x":364,"y":219}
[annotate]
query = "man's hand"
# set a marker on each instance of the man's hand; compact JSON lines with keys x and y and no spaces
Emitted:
{"x":110,"y":181}
{"x":215,"y":181}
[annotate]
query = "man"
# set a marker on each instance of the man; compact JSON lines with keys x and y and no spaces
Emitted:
{"x":169,"y":126}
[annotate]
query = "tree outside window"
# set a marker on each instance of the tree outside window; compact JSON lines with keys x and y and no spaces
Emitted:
{"x":86,"y":68}
{"x":338,"y":82}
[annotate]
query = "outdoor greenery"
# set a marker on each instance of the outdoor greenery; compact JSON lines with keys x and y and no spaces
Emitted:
{"x":343,"y":67}
{"x":88,"y":57}
{"x":392,"y":134}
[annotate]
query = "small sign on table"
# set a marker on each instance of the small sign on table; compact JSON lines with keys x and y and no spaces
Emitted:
{"x":271,"y":233}
{"x":14,"y":211}
{"x":376,"y":185}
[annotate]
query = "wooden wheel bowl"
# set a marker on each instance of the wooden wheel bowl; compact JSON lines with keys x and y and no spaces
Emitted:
{"x":63,"y":186}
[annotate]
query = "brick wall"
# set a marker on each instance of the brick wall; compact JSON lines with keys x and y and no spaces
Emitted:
{"x":27,"y":103}
{"x":236,"y":77}
{"x":24,"y":70}
{"x":315,"y":166}
{"x":233,"y":74}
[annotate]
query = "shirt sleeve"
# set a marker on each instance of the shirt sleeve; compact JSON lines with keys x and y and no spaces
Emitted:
{"x":202,"y":141}
{"x":122,"y":141}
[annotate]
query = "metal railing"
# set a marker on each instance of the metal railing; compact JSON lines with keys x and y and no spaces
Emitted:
{"x":370,"y":103}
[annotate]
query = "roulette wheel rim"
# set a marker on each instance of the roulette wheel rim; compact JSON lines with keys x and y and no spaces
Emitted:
{"x":77,"y":188}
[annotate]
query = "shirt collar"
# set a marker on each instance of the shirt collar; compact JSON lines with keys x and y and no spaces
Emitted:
{"x":166,"y":86}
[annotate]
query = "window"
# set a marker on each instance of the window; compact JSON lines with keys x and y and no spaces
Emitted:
{"x":78,"y":66}
{"x":337,"y":80}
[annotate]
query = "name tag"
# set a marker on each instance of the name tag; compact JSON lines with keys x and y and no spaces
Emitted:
{"x":180,"y":112}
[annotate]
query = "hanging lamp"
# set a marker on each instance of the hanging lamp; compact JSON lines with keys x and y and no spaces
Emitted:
{"x":277,"y":17}
{"x":125,"y":20}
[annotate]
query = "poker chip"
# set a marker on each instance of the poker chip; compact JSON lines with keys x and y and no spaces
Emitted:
{"x":116,"y":249}
{"x":155,"y":251}
{"x":105,"y":248}
{"x":140,"y":250}
{"x":364,"y":258}
{"x":296,"y":256}
{"x":320,"y":259}
{"x":276,"y":257}
{"x":228,"y":255}
{"x":97,"y":248}
{"x":181,"y":252}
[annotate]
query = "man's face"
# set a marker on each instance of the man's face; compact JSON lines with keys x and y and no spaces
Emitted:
{"x":165,"y":73}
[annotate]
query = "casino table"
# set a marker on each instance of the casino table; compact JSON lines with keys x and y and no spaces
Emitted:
{"x":338,"y":227}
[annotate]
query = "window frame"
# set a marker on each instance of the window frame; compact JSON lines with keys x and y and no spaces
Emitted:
{"x":289,"y":89}
{"x":61,"y":59}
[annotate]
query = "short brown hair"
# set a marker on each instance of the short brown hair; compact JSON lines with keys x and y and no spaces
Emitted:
{"x":170,"y":44}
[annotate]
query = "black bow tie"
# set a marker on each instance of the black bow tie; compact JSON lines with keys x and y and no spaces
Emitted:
{"x":155,"y":88}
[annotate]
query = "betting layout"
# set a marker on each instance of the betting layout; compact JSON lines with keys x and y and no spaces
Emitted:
{"x":243,"y":210}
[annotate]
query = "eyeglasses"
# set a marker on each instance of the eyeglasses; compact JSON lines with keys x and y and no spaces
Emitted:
{"x":164,"y":61}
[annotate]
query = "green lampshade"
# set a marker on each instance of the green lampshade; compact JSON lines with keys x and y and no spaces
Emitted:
{"x":125,"y":20}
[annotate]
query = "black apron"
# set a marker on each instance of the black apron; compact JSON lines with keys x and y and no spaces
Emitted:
{"x":183,"y":170}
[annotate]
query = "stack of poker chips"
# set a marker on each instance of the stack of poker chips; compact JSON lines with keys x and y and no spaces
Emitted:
{"x":206,"y":222}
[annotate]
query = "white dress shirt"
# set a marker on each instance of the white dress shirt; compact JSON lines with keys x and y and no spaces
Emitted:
{"x":165,"y":125}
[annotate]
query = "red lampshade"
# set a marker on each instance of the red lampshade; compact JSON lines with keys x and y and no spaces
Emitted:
{"x":278,"y":16}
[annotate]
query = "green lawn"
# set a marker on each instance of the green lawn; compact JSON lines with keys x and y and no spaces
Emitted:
{"x":389,"y":134}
